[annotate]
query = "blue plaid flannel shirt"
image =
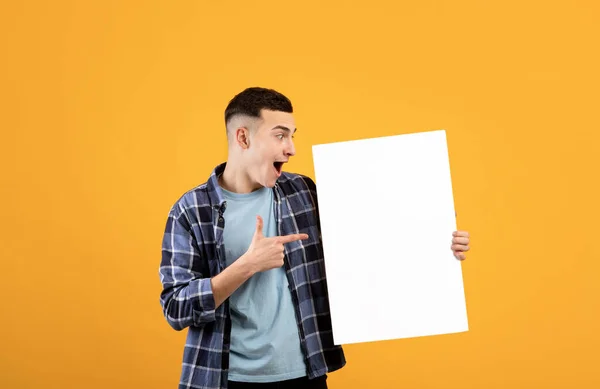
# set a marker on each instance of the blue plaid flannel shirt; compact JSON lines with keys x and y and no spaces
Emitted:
{"x":193,"y":252}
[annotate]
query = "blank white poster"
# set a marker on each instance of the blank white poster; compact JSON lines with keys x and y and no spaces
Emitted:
{"x":387,"y":217}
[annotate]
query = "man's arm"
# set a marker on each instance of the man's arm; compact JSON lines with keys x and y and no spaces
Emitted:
{"x":188,"y":298}
{"x":226,"y":282}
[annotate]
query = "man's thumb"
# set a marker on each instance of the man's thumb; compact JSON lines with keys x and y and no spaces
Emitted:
{"x":259,"y":227}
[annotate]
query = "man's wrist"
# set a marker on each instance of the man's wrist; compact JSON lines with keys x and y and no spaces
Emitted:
{"x":246,"y":265}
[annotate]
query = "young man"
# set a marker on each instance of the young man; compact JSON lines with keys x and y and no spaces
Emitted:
{"x":242,"y":262}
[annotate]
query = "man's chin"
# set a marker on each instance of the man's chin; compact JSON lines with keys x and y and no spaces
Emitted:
{"x":269,"y":180}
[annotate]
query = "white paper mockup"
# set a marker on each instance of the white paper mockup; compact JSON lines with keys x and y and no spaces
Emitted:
{"x":387,"y":217}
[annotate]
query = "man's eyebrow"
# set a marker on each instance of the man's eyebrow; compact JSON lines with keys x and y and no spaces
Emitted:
{"x":284,"y":128}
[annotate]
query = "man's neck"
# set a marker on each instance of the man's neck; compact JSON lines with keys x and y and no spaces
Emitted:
{"x":236,"y":180}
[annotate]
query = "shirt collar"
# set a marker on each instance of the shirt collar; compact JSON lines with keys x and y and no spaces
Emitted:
{"x":214,"y":189}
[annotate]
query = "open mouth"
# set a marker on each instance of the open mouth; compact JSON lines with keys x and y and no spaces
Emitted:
{"x":278,"y":166}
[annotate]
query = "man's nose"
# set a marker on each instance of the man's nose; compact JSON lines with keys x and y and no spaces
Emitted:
{"x":290,"y":150}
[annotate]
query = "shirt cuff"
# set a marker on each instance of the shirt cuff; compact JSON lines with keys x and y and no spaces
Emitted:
{"x":204,"y":306}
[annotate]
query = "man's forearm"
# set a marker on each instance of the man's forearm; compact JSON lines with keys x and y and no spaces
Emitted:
{"x":225,"y":283}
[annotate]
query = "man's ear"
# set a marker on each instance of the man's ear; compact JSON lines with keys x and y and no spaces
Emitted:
{"x":242,"y":137}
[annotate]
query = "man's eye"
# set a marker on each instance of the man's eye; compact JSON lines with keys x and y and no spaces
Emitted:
{"x":280,"y":136}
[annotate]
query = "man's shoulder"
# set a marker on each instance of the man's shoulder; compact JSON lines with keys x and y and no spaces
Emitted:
{"x":192,"y":199}
{"x":297,"y":181}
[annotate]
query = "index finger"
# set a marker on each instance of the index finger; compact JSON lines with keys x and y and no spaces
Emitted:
{"x":292,"y":238}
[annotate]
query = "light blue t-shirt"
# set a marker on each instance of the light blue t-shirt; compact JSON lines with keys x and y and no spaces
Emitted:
{"x":265,"y":344}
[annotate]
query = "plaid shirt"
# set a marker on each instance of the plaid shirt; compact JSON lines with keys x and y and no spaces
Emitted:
{"x":193,"y":252}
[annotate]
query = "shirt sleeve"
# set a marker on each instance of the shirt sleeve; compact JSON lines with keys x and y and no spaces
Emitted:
{"x":186,"y":298}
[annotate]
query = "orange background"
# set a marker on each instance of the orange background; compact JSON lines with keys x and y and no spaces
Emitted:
{"x":111,"y":110}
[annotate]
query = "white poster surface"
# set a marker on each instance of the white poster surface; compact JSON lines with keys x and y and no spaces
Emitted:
{"x":387,"y":217}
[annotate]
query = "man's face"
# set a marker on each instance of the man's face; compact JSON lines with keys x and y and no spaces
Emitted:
{"x":271,"y":145}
